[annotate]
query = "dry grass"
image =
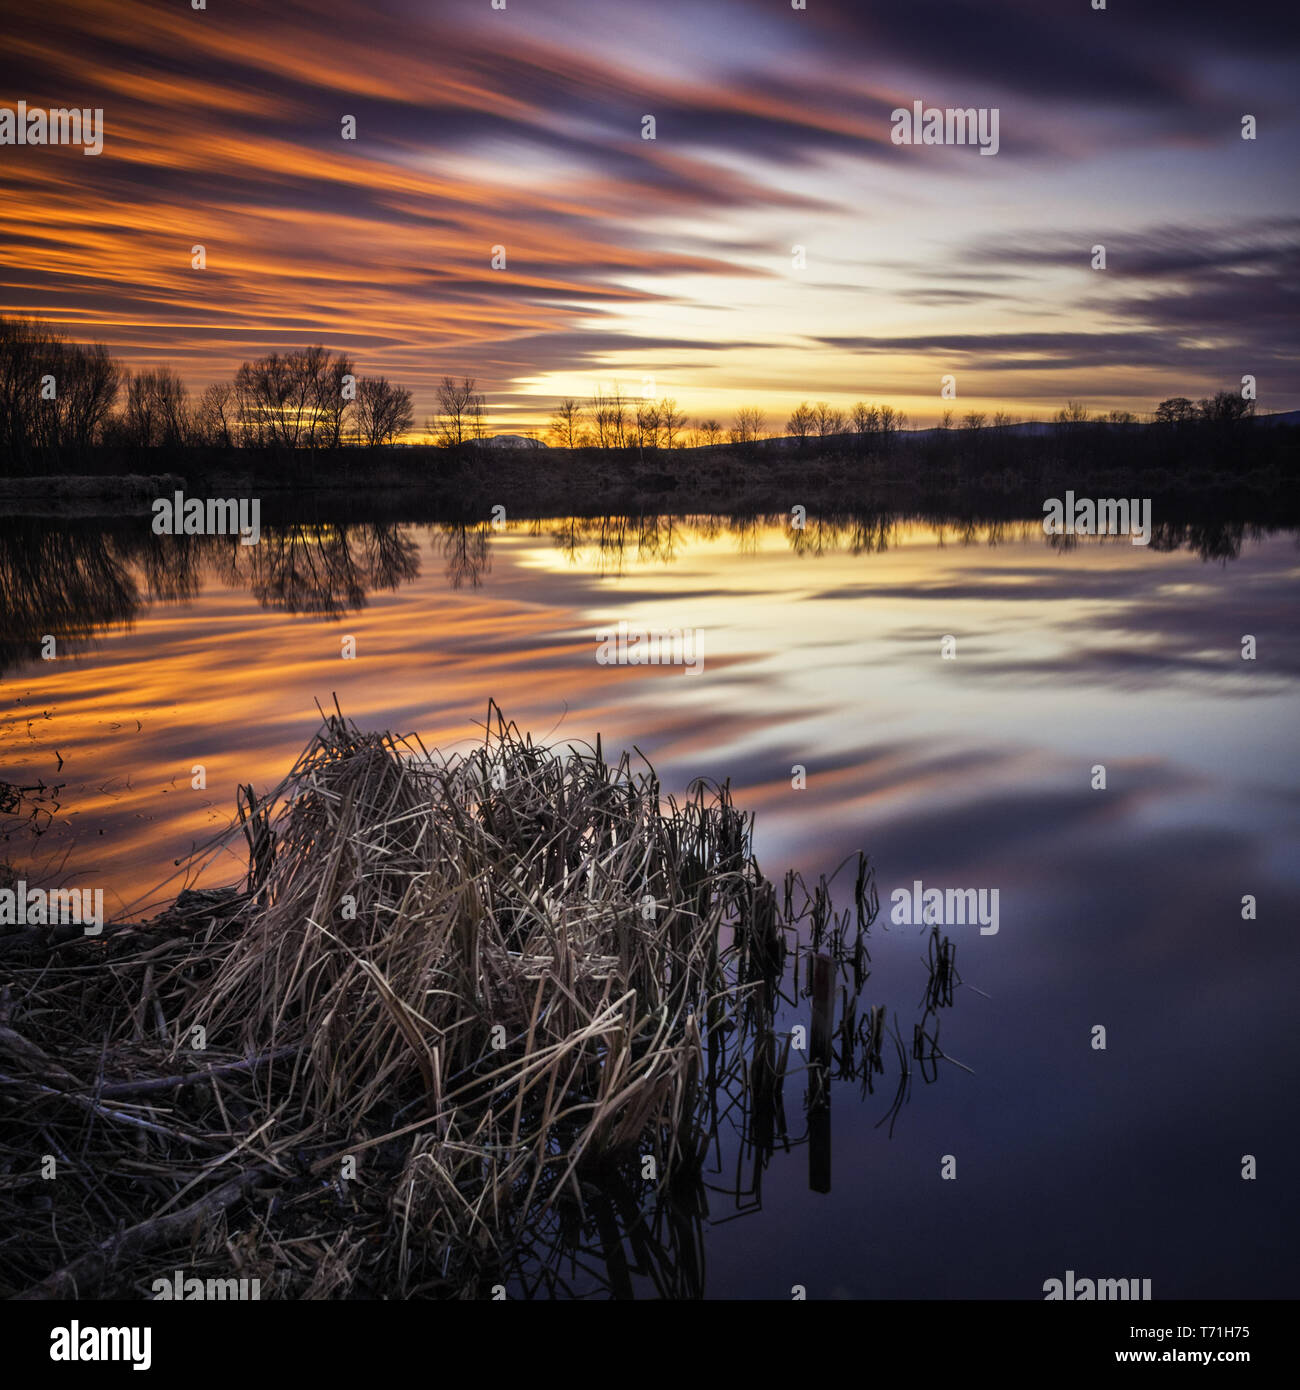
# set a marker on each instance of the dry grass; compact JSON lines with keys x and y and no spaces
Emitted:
{"x":449,"y":989}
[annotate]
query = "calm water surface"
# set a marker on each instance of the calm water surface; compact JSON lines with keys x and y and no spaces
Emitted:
{"x":1118,"y":907}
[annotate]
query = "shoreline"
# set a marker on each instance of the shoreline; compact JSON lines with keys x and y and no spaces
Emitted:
{"x":1258,"y":482}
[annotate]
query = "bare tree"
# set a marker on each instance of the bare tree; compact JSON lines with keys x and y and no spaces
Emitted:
{"x":292,"y":400}
{"x":155,"y":415}
{"x":305,"y":373}
{"x":829,"y":420}
{"x":460,"y":413}
{"x":671,"y":421}
{"x":478,"y":419}
{"x":53,"y":393}
{"x":261,"y":390}
{"x":88,"y":390}
{"x":566,"y":424}
{"x":802,"y":422}
{"x":598,"y":411}
{"x":334,"y":399}
{"x":215,"y":421}
{"x":1225,"y":406}
{"x":748,"y":426}
{"x":647,"y":425}
{"x":617,"y":412}
{"x":17,"y":398}
{"x":710,"y":432}
{"x":609,"y":416}
{"x":254,"y":405}
{"x":384,"y":411}
{"x":974,"y":420}
{"x":19,"y":385}
{"x":891,"y":421}
{"x":866,"y":419}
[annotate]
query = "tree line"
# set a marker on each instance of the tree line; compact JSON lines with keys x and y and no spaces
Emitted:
{"x":614,"y":421}
{"x":611,"y":420}
{"x":62,"y":395}
{"x":56,"y":394}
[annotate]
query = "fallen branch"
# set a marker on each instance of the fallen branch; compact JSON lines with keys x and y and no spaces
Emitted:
{"x":115,"y":1090}
{"x":88,"y":1271}
{"x":88,"y":1103}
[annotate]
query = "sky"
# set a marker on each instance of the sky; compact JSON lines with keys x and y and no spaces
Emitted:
{"x":670,"y":266}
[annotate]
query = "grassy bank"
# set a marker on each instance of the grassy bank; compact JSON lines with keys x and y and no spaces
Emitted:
{"x":1249,"y":470}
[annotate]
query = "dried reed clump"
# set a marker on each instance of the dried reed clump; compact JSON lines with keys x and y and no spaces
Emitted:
{"x":448,"y":988}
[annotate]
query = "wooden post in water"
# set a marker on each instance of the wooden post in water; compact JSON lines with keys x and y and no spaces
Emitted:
{"x":819,"y":1111}
{"x":823,"y":1016}
{"x":763,"y":1073}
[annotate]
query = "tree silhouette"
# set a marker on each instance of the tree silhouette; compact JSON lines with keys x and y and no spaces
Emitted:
{"x":566,"y":424}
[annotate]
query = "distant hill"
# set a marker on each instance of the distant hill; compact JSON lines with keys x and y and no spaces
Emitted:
{"x":512,"y":441}
{"x":1027,"y":429}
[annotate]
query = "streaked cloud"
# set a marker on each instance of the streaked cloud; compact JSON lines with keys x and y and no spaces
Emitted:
{"x":668,"y":258}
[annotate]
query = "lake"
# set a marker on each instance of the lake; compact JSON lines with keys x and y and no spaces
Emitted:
{"x":939,"y":695}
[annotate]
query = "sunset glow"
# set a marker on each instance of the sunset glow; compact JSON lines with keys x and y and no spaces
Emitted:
{"x":672,"y":259}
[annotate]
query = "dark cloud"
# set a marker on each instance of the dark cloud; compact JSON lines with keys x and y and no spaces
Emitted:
{"x":1035,"y":351}
{"x":1190,"y":299}
{"x":1148,"y":57}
